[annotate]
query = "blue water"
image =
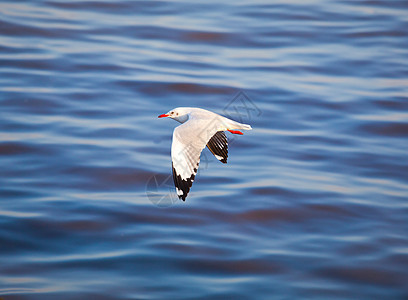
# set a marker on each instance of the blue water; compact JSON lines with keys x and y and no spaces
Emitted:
{"x":312,"y":203}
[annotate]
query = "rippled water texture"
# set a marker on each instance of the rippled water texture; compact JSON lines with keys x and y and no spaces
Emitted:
{"x":312,"y":203}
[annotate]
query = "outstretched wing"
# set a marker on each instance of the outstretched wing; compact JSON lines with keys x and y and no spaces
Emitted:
{"x":218,"y":146}
{"x":189,"y":139}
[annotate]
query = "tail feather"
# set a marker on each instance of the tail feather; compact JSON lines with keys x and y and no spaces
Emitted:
{"x":236,"y":125}
{"x":246,"y":127}
{"x":232,"y":125}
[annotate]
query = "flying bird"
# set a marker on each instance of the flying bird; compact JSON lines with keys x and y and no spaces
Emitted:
{"x":199,"y":127}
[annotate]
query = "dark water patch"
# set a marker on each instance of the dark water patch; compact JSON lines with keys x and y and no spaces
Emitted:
{"x":9,"y":193}
{"x":14,"y":29}
{"x":363,"y":275}
{"x":187,"y":64}
{"x":396,"y":103}
{"x":154,"y":215}
{"x":91,"y":113}
{"x":114,"y":8}
{"x":189,"y":88}
{"x":150,"y":32}
{"x":361,"y":249}
{"x":87,"y":97}
{"x":315,"y":157}
{"x":101,"y":133}
{"x":387,"y":129}
{"x":239,"y":267}
{"x":16,"y":241}
{"x":274,"y":191}
{"x":100,"y":68}
{"x":205,"y":179}
{"x":376,"y":3}
{"x":9,"y":48}
{"x":396,"y":241}
{"x":377,"y":34}
{"x":326,"y":109}
{"x":33,"y":104}
{"x":121,"y":8}
{"x":160,"y":88}
{"x":34,"y":64}
{"x":17,"y":149}
{"x":272,"y":215}
{"x":192,"y":250}
{"x":50,"y":294}
{"x":374,"y":161}
{"x":223,"y":39}
{"x":398,"y":260}
{"x":296,"y":192}
{"x":103,"y":178}
{"x":207,"y":37}
{"x":272,"y":11}
{"x":87,"y":226}
{"x":331,"y":211}
{"x":322,"y":143}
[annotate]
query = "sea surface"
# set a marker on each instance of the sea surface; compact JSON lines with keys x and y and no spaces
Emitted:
{"x":313,"y":203}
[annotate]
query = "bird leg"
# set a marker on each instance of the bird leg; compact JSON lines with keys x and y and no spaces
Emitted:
{"x":235,"y":132}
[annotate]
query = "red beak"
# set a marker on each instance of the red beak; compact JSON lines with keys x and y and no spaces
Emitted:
{"x":163,"y":115}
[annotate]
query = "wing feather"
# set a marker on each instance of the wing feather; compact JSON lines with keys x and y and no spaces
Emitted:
{"x":189,"y":139}
{"x":218,"y":146}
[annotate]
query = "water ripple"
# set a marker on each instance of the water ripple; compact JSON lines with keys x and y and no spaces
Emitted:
{"x":312,"y":202}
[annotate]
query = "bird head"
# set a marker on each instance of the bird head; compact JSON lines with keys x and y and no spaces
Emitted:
{"x":179,"y":114}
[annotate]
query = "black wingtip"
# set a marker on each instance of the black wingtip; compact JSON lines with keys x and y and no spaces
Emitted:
{"x":183,"y":186}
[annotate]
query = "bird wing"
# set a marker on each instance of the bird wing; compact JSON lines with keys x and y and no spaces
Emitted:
{"x":218,"y":146}
{"x":189,"y":139}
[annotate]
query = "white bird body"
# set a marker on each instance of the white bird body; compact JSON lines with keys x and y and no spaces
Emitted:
{"x":199,"y":128}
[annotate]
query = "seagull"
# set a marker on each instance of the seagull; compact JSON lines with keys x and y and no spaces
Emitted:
{"x":199,"y":128}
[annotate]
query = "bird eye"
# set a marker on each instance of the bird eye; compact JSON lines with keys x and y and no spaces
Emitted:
{"x":172,"y":113}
